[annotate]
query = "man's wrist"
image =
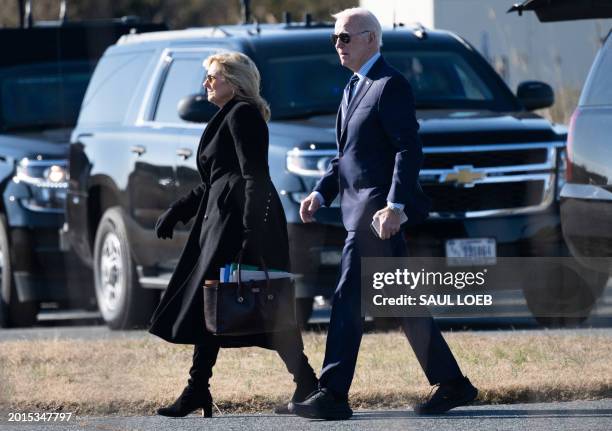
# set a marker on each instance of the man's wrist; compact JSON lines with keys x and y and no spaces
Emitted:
{"x":396,"y":208}
{"x":319,"y":197}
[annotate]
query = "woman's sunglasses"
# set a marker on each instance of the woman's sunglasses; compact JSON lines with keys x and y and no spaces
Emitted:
{"x":345,"y":37}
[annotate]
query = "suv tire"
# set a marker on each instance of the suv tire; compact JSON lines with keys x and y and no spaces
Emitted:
{"x":12,"y":312}
{"x":567,"y":297}
{"x":122,"y":302}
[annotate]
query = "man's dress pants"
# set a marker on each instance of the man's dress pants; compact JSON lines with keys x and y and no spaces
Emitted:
{"x":346,"y":325}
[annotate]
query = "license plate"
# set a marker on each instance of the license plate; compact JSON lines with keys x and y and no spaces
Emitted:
{"x":471,"y":251}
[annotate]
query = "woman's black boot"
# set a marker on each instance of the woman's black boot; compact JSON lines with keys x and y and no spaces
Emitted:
{"x":197,"y":394}
{"x":189,"y":401}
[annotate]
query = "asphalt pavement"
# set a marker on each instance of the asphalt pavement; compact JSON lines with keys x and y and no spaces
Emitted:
{"x":574,"y":416}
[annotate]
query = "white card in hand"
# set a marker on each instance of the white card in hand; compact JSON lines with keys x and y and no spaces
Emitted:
{"x":375,"y":225}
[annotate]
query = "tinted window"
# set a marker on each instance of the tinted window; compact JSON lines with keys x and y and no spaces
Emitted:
{"x":185,"y":77}
{"x":112,"y":87}
{"x":42,"y":95}
{"x":296,"y":86}
{"x":441,"y":79}
{"x":305,"y":84}
{"x":598,"y":90}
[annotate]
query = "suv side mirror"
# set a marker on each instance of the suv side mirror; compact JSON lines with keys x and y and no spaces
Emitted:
{"x":196,"y":108}
{"x":535,"y":95}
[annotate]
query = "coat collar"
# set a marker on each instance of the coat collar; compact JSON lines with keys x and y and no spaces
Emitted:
{"x":215,"y":122}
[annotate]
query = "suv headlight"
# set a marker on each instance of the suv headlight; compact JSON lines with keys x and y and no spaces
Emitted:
{"x":561,"y":170}
{"x":309,"y":163}
{"x":47,"y":181}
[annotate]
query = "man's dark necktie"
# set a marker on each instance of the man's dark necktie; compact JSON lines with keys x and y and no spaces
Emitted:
{"x":350,"y":87}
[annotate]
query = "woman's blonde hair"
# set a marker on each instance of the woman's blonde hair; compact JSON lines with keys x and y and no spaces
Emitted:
{"x":242,"y":74}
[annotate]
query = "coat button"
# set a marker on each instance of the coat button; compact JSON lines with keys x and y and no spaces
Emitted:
{"x":205,"y":216}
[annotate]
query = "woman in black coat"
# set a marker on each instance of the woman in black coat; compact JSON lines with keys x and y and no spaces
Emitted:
{"x":236,"y":208}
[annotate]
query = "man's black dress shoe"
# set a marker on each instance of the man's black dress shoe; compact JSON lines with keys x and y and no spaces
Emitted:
{"x":302,"y":392}
{"x":448,"y":396}
{"x":322,"y":404}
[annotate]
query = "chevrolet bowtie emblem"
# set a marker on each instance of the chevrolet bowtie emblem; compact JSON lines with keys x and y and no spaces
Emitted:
{"x":462,"y":175}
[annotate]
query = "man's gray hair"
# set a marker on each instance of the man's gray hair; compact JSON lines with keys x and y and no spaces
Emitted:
{"x":367,"y":20}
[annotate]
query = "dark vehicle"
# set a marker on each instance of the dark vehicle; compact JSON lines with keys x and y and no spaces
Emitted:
{"x":586,"y":198}
{"x":44,"y":72}
{"x":492,"y":168}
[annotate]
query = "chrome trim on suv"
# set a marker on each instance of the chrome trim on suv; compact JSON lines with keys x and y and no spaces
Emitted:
{"x":587,"y":192}
{"x":545,"y":172}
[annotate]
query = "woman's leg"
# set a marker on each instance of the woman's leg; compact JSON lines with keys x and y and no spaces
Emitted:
{"x":290,"y":348}
{"x":204,"y":359}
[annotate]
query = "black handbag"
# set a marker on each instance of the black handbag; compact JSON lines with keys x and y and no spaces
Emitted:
{"x":249,"y":306}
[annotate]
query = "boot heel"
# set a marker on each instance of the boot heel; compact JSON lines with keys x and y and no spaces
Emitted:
{"x":207,"y":407}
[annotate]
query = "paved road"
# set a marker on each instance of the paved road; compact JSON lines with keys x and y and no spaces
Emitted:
{"x":575,"y":415}
{"x":103,"y":333}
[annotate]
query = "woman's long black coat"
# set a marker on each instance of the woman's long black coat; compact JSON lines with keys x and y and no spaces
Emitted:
{"x":236,"y":199}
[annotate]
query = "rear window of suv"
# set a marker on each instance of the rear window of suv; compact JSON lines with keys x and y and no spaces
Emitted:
{"x":598,"y":90}
{"x":42,"y":95}
{"x":112,"y":86}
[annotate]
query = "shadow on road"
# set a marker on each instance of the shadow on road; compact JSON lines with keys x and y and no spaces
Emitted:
{"x":487,"y":414}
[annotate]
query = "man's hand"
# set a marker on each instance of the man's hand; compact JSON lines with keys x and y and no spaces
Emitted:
{"x":389,"y":222}
{"x":309,"y":207}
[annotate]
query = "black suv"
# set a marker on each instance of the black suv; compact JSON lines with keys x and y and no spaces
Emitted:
{"x":492,"y":168}
{"x":44,"y":72}
{"x":586,"y":198}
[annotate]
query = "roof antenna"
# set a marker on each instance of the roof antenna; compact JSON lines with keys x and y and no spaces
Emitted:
{"x":307,"y":19}
{"x":246,"y":11}
{"x":27,"y":15}
{"x":287,"y":17}
{"x":63,"y":15}
{"x":420,"y":31}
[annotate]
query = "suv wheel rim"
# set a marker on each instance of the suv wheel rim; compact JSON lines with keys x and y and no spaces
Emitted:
{"x":111,"y":274}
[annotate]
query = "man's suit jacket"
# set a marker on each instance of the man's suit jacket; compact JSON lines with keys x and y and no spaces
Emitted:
{"x":379,"y":151}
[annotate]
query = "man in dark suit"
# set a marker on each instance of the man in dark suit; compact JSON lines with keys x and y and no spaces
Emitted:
{"x":376,"y":175}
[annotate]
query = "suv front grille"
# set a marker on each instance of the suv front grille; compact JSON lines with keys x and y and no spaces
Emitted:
{"x":485,"y":159}
{"x":484,"y":197}
{"x":485,"y":180}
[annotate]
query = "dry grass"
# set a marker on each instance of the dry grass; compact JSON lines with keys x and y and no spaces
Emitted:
{"x":136,"y":376}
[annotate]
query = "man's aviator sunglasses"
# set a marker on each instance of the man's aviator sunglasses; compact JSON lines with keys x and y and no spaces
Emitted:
{"x":345,"y":37}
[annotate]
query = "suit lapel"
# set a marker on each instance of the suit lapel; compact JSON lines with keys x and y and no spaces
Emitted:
{"x":363,"y":89}
{"x":339,"y":123}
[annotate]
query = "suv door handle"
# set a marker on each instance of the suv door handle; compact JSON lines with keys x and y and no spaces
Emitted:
{"x":185,"y":153}
{"x":138,"y":149}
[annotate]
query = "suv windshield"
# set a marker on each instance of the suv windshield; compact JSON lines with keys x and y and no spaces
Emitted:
{"x":439,"y":79}
{"x":43,"y":95}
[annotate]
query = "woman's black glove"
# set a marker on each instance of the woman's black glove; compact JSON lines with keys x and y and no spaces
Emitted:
{"x":164,"y":228}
